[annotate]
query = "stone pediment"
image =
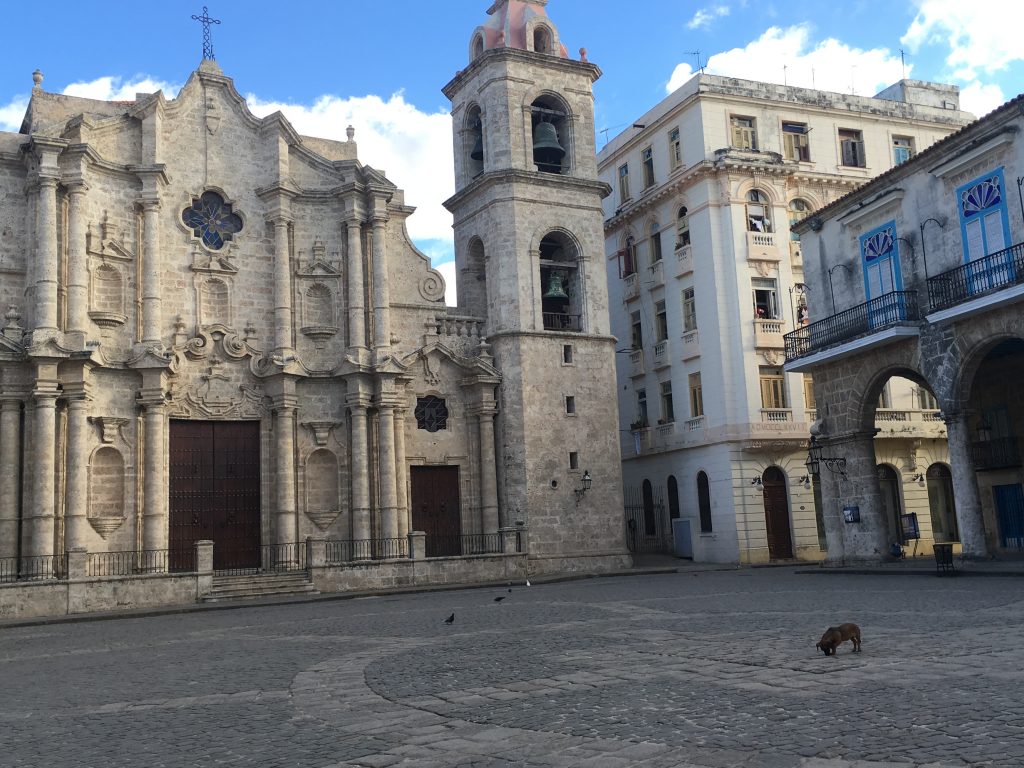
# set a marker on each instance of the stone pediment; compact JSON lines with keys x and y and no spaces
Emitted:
{"x":433,"y":356}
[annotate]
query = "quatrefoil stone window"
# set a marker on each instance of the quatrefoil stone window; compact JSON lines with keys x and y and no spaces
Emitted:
{"x":212,"y":220}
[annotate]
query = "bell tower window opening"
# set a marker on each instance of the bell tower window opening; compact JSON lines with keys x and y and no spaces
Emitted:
{"x":474,"y":142}
{"x":559,"y":279}
{"x":542,"y":39}
{"x":550,"y":136}
{"x":478,"y":46}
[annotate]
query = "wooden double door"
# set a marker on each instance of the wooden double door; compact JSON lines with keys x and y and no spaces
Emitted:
{"x":435,"y":509}
{"x":776,"y":515}
{"x":215,"y":491}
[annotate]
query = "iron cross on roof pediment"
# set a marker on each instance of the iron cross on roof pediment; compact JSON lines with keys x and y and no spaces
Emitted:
{"x":207,"y":41}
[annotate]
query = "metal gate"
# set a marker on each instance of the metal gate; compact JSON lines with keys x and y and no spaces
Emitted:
{"x":215,"y":490}
{"x":647,"y":524}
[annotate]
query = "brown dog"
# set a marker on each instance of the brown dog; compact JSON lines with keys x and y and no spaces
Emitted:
{"x":835,"y":636}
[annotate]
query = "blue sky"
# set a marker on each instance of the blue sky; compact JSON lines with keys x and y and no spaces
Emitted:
{"x":381,"y":66}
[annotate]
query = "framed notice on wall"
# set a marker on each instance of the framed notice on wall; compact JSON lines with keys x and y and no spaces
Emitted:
{"x":851,"y":514}
{"x":911,"y":530}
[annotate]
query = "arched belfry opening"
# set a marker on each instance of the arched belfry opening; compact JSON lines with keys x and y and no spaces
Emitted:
{"x":551,"y":139}
{"x":561,"y":297}
{"x":474,"y":141}
{"x":542,"y":39}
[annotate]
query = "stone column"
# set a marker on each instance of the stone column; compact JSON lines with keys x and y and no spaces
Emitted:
{"x":356,"y":285}
{"x":151,"y":264}
{"x":39,"y":518}
{"x":360,"y":473}
{"x":154,"y":492}
{"x":401,"y":472}
{"x":284,"y":443}
{"x":76,"y":524}
{"x":78,"y":273}
{"x":381,"y":290}
{"x":965,"y":488}
{"x":47,"y":262}
{"x":488,"y":478}
{"x":867,"y":540}
{"x":282,"y":289}
{"x":10,"y":472}
{"x":386,"y":471}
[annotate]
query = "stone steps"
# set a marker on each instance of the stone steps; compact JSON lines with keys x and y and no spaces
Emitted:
{"x":259,"y":585}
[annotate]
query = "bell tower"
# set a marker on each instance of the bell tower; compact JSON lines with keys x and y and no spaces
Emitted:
{"x":529,"y":253}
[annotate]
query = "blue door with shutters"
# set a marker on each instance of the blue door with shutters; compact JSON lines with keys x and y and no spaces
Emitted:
{"x":1010,"y":515}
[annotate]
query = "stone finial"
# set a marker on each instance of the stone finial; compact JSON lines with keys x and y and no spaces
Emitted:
{"x":583,"y":54}
{"x":37,"y":79}
{"x":350,"y":132}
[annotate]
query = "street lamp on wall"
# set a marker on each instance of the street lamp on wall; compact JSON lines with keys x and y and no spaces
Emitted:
{"x":924,"y":251}
{"x":919,"y":479}
{"x":758,"y":485}
{"x":805,"y":481}
{"x":816,"y":457}
{"x":831,"y":290}
{"x":585,"y":483}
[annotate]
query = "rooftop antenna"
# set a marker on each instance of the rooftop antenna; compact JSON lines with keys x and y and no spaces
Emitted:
{"x":784,"y":75}
{"x":207,"y":41}
{"x":903,"y":64}
{"x":697,"y":54}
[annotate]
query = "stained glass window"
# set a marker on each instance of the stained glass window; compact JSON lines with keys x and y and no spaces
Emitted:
{"x":212,"y":220}
{"x":431,"y":413}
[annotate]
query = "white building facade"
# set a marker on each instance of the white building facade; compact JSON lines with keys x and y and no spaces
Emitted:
{"x":705,"y":278}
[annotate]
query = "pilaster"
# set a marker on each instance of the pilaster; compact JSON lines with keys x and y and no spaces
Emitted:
{"x":39,"y":518}
{"x":285,"y":406}
{"x":381,"y":288}
{"x":356,"y":285}
{"x":76,"y":526}
{"x":488,"y":477}
{"x":78,"y":273}
{"x":10,"y":472}
{"x":154,"y":504}
{"x":360,"y":471}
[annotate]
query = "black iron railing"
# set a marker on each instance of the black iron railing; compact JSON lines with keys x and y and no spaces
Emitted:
{"x":998,"y":453}
{"x":462,"y":544}
{"x":556,"y":321}
{"x":347,"y":550}
{"x":273,"y":558}
{"x":130,"y":563}
{"x":33,"y":568}
{"x":870,"y":317}
{"x":981,"y":276}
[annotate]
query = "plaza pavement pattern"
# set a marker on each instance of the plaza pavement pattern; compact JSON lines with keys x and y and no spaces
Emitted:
{"x":702,"y":670}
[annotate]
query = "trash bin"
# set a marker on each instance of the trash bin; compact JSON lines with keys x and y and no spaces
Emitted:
{"x":943,"y":558}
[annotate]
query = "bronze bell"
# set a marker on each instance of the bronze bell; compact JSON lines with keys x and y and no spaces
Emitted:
{"x":555,"y":290}
{"x":478,"y":148}
{"x":547,"y":152}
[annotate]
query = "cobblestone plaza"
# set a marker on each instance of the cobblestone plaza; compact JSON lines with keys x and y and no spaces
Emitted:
{"x":702,"y":668}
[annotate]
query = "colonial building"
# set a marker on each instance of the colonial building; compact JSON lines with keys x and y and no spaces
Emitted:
{"x":218,"y":329}
{"x":928,"y":262}
{"x":705,"y":278}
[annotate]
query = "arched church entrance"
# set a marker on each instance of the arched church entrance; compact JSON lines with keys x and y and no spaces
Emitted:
{"x":214,"y":492}
{"x":776,"y":514}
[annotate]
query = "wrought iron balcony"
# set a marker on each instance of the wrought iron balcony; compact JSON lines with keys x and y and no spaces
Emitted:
{"x":896,"y":308}
{"x":557,"y":321}
{"x":998,"y":453}
{"x":975,"y":278}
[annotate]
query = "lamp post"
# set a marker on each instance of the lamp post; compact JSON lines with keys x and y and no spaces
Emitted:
{"x":831,"y":290}
{"x":924,"y":251}
{"x":585,"y":483}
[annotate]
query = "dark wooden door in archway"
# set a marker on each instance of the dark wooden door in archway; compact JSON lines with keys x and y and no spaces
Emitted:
{"x":435,"y":509}
{"x":215,"y":490}
{"x":776,"y":515}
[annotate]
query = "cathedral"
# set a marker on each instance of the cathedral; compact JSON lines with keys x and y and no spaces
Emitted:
{"x":216,"y":329}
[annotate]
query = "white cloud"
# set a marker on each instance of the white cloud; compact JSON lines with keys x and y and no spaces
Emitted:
{"x":119,"y":89}
{"x":13,"y":113}
{"x":413,"y":147}
{"x":828,"y":65}
{"x":704,"y":17}
{"x":980,"y":98}
{"x":981,"y":36}
{"x":447,"y":270}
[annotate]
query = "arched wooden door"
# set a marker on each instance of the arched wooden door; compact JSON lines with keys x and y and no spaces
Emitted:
{"x":776,"y":515}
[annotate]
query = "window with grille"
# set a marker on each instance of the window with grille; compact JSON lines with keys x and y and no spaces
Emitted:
{"x":431,"y":413}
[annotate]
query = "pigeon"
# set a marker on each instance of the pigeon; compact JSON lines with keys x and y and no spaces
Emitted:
{"x":450,"y":619}
{"x":528,"y":583}
{"x":499,"y":598}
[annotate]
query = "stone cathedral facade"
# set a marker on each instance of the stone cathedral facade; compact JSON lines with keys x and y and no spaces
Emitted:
{"x":216,"y":328}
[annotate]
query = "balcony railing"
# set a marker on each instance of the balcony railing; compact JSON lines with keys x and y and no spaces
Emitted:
{"x":998,"y":453}
{"x":886,"y":311}
{"x":556,"y":321}
{"x":978,"y":277}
